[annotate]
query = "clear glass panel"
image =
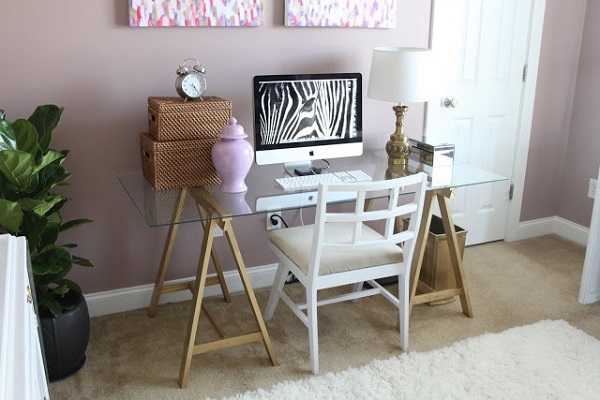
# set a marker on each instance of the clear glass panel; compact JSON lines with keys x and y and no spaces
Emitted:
{"x":165,"y":207}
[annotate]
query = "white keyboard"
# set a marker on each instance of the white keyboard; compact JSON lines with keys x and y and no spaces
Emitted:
{"x":312,"y":181}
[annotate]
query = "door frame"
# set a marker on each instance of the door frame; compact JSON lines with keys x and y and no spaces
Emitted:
{"x":525,"y":119}
{"x":589,"y":289}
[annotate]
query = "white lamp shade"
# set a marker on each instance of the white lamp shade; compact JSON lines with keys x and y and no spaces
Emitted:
{"x":401,"y":75}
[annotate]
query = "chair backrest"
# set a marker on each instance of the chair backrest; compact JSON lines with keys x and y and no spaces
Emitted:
{"x":401,"y":197}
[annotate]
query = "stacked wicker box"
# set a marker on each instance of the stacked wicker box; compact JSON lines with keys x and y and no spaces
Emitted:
{"x":176,"y":149}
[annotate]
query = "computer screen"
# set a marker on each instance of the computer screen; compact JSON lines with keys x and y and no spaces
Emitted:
{"x":306,"y":117}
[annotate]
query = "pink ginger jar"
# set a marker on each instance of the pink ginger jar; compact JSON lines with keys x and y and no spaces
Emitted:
{"x":232,"y":157}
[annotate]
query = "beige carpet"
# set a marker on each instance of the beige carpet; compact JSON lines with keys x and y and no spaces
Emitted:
{"x":131,"y":356}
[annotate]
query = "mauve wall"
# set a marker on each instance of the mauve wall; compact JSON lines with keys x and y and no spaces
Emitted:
{"x":82,"y":55}
{"x":583,"y":147}
{"x":550,"y":136}
{"x":85,"y":57}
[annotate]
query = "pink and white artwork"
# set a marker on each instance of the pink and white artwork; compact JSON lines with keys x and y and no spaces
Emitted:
{"x":341,"y":13}
{"x":195,"y":13}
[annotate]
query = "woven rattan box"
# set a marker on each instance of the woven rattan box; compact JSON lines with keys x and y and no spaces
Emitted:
{"x":173,"y":118}
{"x":178,"y":163}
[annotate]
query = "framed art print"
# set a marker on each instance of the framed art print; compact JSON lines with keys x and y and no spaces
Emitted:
{"x":341,"y":13}
{"x":148,"y":13}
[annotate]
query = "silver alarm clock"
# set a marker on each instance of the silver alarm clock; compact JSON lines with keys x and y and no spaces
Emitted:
{"x":190,"y":82}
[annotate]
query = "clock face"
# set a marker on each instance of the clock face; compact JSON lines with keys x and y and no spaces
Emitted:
{"x":193,"y":85}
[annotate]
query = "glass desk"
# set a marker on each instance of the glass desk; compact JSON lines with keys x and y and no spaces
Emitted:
{"x":213,"y":209}
{"x":157,"y":208}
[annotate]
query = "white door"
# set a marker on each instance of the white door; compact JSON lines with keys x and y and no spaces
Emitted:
{"x":480,"y":48}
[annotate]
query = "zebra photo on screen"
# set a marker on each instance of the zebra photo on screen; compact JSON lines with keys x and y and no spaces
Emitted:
{"x":311,"y":110}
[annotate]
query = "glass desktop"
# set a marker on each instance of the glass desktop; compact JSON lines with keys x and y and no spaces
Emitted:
{"x":157,"y":207}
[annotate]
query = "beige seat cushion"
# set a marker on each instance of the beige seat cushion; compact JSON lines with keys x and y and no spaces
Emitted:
{"x":296,"y":244}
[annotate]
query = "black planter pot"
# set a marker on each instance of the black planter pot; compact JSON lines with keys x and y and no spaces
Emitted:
{"x":66,"y":338}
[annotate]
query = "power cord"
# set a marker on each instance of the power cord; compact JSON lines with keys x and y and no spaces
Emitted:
{"x":291,"y":278}
{"x":273,"y":218}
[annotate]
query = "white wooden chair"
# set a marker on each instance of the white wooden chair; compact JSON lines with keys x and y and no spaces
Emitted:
{"x":340,"y":249}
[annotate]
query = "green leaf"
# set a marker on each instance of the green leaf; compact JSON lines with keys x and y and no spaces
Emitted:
{"x":7,"y":136}
{"x":83,"y":262}
{"x":27,"y":136}
{"x":50,"y":303}
{"x":61,"y":289}
{"x":72,"y":285}
{"x":45,"y":118}
{"x":55,"y":218}
{"x":49,"y":235}
{"x":74,"y":223}
{"x":17,"y":167}
{"x":49,"y":177}
{"x":33,"y":227}
{"x":53,"y":260}
{"x":50,"y":157}
{"x":11,"y":215}
{"x":65,"y":153}
{"x":42,"y":206}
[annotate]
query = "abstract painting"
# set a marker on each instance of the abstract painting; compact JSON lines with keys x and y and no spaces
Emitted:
{"x":148,"y":13}
{"x":341,"y":13}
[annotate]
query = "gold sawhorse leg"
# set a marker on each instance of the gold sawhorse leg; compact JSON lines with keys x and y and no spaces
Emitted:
{"x":159,"y":285}
{"x":190,"y":347}
{"x":429,"y":294}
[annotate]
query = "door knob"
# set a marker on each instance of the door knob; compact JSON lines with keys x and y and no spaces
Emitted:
{"x":450,"y":102}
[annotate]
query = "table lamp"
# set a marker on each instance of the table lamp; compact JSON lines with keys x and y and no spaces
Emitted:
{"x":400,"y":75}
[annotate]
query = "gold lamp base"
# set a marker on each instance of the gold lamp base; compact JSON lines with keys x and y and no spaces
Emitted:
{"x":398,"y":147}
{"x":394,"y":171}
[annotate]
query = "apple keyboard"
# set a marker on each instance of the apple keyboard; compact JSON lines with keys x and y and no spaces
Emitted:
{"x":312,"y":181}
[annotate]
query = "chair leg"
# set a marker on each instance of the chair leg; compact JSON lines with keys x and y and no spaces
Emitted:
{"x":357,"y":287}
{"x":313,"y":329}
{"x":278,"y":283}
{"x":403,"y":310}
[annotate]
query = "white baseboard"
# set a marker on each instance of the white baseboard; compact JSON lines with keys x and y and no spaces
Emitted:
{"x":589,"y":298}
{"x":531,"y":229}
{"x":551,"y":225}
{"x":572,"y":231}
{"x":133,"y":298}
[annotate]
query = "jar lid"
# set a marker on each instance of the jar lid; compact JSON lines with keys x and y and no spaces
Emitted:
{"x":233,"y":130}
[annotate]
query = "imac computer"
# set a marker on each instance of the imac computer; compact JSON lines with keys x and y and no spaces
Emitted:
{"x":306,"y":117}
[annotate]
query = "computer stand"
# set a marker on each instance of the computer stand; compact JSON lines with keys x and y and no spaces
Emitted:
{"x":303,"y":168}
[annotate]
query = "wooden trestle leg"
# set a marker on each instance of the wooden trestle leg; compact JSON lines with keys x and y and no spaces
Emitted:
{"x":428,"y":294}
{"x":159,"y":285}
{"x":190,"y":347}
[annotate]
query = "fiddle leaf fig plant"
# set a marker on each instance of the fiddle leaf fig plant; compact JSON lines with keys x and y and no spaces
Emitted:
{"x":29,"y":171}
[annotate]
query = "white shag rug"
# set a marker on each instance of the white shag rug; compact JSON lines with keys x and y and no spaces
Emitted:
{"x":547,"y":360}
